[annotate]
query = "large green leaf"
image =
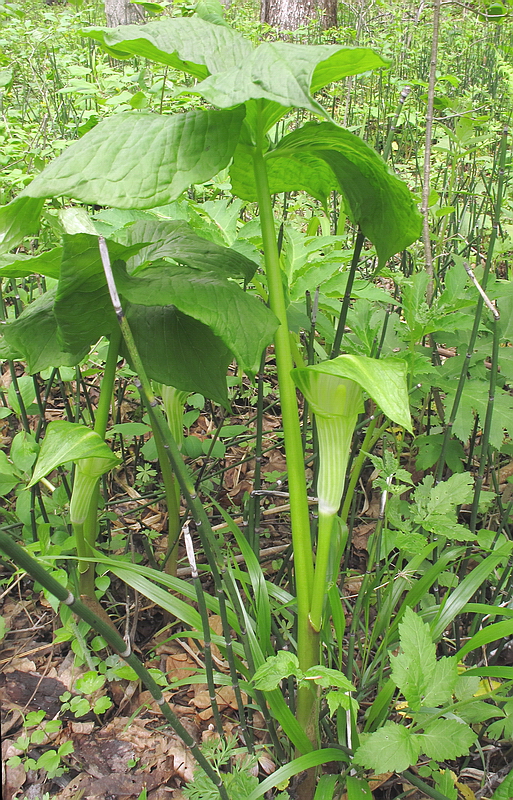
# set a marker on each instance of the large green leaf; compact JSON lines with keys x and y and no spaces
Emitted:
{"x":287,"y":74}
{"x":141,"y":160}
{"x":67,"y":441}
{"x":300,"y":171}
{"x":189,"y":44}
{"x":177,"y":240}
{"x":384,"y":380}
{"x":322,"y":156}
{"x":180,"y":351}
{"x":35,"y":336}
{"x":18,"y":219}
{"x":233,"y":72}
{"x":18,"y":265}
{"x":83,"y":308}
{"x":244,"y":324}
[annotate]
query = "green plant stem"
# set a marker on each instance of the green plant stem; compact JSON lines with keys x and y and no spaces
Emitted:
{"x":112,"y":637}
{"x":324,"y":542}
{"x":308,"y":638}
{"x":172,"y":492}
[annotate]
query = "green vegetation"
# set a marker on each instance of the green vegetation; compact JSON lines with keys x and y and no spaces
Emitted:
{"x":199,"y":220}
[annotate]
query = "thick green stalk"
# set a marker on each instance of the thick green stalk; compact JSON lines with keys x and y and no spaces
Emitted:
{"x":308,"y":639}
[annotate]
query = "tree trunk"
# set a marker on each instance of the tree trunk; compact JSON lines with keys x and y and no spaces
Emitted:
{"x":291,"y":14}
{"x":122,"y":12}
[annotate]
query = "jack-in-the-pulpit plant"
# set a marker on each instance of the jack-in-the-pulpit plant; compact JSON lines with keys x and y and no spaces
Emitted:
{"x":175,"y":286}
{"x":334,"y":391}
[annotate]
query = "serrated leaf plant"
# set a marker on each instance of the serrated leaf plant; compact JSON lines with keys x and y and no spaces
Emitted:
{"x":141,"y":161}
{"x":434,"y":721}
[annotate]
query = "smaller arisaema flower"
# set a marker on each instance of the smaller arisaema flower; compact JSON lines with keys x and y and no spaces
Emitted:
{"x":334,"y":390}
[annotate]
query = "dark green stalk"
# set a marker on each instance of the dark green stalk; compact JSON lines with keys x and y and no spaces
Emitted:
{"x":112,"y":637}
{"x":254,"y":501}
{"x":360,"y":238}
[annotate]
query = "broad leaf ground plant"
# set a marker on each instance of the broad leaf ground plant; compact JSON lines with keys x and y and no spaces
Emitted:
{"x":175,"y":304}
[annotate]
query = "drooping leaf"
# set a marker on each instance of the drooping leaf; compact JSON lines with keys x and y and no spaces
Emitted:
{"x":177,"y":240}
{"x":244,"y":324}
{"x":392,"y":748}
{"x":231,"y":71}
{"x":83,"y":307}
{"x":68,"y":441}
{"x":446,"y":739}
{"x":34,"y":335}
{"x":291,"y":172}
{"x":191,"y":44}
{"x":18,"y":265}
{"x":18,"y":219}
{"x":384,"y":380}
{"x":380,"y":203}
{"x":287,"y":74}
{"x":141,"y":160}
{"x":180,"y":351}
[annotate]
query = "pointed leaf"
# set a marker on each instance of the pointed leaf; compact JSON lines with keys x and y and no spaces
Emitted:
{"x":446,"y":739}
{"x":18,"y":219}
{"x":380,"y":203}
{"x":190,"y":44}
{"x":180,"y":351}
{"x":141,"y":160}
{"x":392,"y":748}
{"x":287,"y":74}
{"x":244,"y":324}
{"x":35,"y":336}
{"x":83,"y":308}
{"x":384,"y":380}
{"x":67,"y":441}
{"x":291,"y":172}
{"x":18,"y":265}
{"x":443,"y":682}
{"x":177,"y":240}
{"x":412,"y":669}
